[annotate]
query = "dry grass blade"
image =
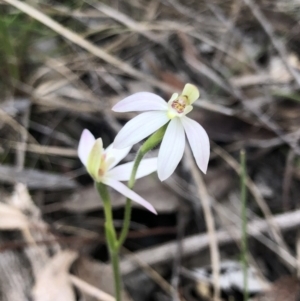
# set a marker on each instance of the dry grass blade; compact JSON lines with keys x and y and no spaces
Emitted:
{"x":90,"y":289}
{"x":210,"y":223}
{"x":208,"y":105}
{"x":78,"y":40}
{"x":45,"y":150}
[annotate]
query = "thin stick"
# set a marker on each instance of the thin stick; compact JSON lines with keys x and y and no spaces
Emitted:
{"x":210,"y":223}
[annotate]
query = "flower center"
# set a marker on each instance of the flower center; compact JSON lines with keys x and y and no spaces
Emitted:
{"x":103,"y":166}
{"x":106,"y":162}
{"x":179,"y":104}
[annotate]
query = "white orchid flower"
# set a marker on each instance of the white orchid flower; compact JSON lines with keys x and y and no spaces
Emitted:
{"x":160,"y":113}
{"x":101,"y":165}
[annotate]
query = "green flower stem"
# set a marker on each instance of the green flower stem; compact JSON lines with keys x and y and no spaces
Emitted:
{"x":109,"y":223}
{"x":111,"y":237}
{"x":243,"y":176}
{"x":127,"y":213}
{"x":150,"y":143}
{"x":114,"y":256}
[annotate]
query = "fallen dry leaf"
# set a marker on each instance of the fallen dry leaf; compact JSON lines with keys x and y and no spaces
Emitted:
{"x":12,"y":218}
{"x":53,"y":283}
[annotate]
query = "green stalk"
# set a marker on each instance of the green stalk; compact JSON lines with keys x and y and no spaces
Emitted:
{"x":111,"y":237}
{"x":114,"y":256}
{"x":127,"y":213}
{"x":243,"y":177}
{"x":109,"y":223}
{"x":150,"y":143}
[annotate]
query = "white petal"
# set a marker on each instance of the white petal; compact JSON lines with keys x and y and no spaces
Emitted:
{"x":116,"y":154}
{"x":171,"y":149}
{"x":85,"y":146}
{"x":142,"y":101}
{"x":198,"y":140}
{"x":140,"y":127}
{"x":123,"y":172}
{"x":120,"y":187}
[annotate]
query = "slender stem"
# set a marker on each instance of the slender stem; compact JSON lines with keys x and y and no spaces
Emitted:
{"x":127,"y":214}
{"x":111,"y":237}
{"x":150,"y":143}
{"x":244,"y":223}
{"x":109,"y":224}
{"x":114,"y":256}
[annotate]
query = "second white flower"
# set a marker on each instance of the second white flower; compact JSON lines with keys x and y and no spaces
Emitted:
{"x":160,"y":113}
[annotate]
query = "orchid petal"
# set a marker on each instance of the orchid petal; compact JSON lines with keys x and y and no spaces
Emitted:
{"x":171,"y":149}
{"x":120,"y":187}
{"x":116,"y":155}
{"x":95,"y":159}
{"x":191,"y":92}
{"x":85,"y":146}
{"x":123,"y":172}
{"x":139,"y":128}
{"x":187,"y":109}
{"x":141,"y":101}
{"x":198,"y":140}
